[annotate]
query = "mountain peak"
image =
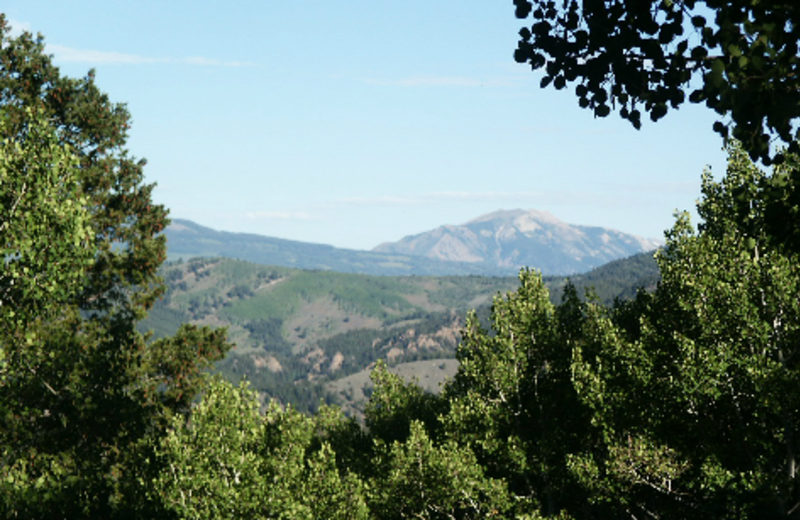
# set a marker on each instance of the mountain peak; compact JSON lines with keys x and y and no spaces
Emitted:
{"x":514,"y":214}
{"x":523,"y":238}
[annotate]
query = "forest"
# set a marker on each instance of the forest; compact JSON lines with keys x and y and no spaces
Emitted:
{"x":681,"y":402}
{"x":299,"y":333}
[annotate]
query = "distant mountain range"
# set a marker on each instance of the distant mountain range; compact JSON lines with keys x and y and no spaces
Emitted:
{"x":518,"y":238}
{"x":186,"y":239}
{"x":496,"y":244}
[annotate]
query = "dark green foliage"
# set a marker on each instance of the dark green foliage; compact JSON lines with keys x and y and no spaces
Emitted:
{"x":269,"y":333}
{"x":395,"y":405}
{"x":240,"y":292}
{"x":81,"y":391}
{"x":738,"y":57}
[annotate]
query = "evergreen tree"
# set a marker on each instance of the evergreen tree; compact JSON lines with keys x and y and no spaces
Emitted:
{"x":80,"y":388}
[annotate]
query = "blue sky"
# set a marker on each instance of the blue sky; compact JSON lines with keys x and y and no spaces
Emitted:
{"x":356,"y":122}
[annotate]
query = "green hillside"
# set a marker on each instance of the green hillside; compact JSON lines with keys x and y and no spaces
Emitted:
{"x":295,"y":329}
{"x":302,"y":336}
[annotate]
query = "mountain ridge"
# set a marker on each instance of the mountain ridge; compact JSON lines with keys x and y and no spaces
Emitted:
{"x":494,"y":244}
{"x":187,"y":239}
{"x":512,"y":239}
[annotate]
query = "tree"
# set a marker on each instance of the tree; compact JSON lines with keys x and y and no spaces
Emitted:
{"x":513,"y":402}
{"x":124,"y":220}
{"x":45,"y":237}
{"x":682,"y":403}
{"x":696,"y":389}
{"x":229,"y":461}
{"x":424,"y":479}
{"x":647,"y":55}
{"x":81,"y":390}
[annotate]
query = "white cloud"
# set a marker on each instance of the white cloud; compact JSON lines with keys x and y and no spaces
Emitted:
{"x":281,"y":215}
{"x":69,"y":54}
{"x":435,"y":198}
{"x":437,"y":81}
{"x":18,"y":27}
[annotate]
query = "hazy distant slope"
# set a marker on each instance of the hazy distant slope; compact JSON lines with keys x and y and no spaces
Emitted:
{"x":186,"y":239}
{"x":618,"y":279}
{"x":508,"y":240}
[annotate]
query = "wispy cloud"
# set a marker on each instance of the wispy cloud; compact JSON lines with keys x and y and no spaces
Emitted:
{"x":437,"y":81}
{"x":552,"y":130}
{"x":281,"y":215}
{"x":687,"y":187}
{"x":18,"y":27}
{"x":435,"y":198}
{"x":377,"y":201}
{"x":485,"y":196}
{"x":69,"y":54}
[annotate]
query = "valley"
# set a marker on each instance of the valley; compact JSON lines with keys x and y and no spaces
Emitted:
{"x":306,"y":336}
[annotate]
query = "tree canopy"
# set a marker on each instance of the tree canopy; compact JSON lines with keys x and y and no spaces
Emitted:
{"x":682,"y":403}
{"x":80,"y":388}
{"x":738,"y":57}
{"x":45,"y":236}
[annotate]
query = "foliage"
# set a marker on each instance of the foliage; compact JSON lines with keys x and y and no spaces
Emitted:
{"x":395,"y":405}
{"x":80,"y":389}
{"x":512,"y":400}
{"x":43,"y":223}
{"x":429,"y":480}
{"x":645,"y":56}
{"x":712,"y":355}
{"x":231,"y":462}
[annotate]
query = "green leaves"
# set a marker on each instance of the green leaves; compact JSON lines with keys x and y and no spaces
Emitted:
{"x":429,"y":481}
{"x":80,"y":389}
{"x":45,"y":234}
{"x":229,"y":461}
{"x":747,"y":60}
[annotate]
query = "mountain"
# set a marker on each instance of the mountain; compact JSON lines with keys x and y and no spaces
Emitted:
{"x":186,"y":239}
{"x":305,"y":335}
{"x":509,"y":240}
{"x":297,"y":330}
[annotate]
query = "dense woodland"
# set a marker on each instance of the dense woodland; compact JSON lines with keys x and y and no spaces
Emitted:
{"x":683,"y":402}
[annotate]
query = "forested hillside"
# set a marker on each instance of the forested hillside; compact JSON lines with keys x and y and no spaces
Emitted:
{"x":297,"y":331}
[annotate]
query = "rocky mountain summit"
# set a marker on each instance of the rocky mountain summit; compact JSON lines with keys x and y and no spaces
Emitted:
{"x":510,"y":239}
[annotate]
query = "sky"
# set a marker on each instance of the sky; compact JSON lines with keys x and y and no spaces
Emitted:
{"x":356,"y":122}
